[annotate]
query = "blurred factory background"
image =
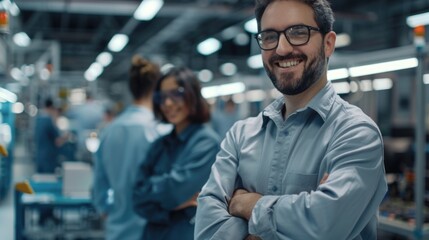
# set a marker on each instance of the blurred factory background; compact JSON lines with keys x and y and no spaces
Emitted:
{"x":66,"y":49}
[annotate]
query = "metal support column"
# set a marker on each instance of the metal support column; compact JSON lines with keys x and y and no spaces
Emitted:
{"x":420,"y":143}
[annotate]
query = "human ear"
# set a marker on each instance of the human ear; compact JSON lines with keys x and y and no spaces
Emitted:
{"x":329,"y":42}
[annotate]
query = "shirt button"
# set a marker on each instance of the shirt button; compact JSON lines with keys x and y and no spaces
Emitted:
{"x":274,"y":189}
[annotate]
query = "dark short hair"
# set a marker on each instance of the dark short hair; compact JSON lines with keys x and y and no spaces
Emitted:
{"x":143,"y":76}
{"x":198,"y":106}
{"x":49,"y":103}
{"x":323,"y":14}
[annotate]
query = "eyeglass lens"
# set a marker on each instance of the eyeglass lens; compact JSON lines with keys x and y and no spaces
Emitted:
{"x":174,"y":95}
{"x":295,"y":35}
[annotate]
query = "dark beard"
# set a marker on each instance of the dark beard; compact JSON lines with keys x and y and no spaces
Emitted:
{"x":311,"y":74}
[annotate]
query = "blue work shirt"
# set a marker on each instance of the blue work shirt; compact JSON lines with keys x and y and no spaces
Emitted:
{"x":124,"y":143}
{"x":285,"y":162}
{"x":176,"y":168}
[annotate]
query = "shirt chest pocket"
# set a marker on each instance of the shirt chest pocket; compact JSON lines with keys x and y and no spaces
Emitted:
{"x":295,"y":183}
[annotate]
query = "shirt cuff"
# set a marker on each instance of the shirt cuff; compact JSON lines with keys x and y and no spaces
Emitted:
{"x":261,"y":222}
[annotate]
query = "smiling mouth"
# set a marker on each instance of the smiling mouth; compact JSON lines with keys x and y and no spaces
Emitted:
{"x":288,"y":64}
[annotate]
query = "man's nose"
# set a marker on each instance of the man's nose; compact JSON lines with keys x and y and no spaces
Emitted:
{"x":284,"y":47}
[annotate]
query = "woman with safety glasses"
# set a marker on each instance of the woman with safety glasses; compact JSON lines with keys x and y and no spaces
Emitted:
{"x":178,"y":164}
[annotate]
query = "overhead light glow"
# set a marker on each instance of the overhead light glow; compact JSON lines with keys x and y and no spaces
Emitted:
{"x":343,"y":40}
{"x":228,"y":69}
{"x":255,"y":95}
{"x":382,"y":84}
{"x":18,"y":108}
{"x":242,"y":39}
{"x":251,"y":26}
{"x":209,"y":46}
{"x":230,"y":33}
{"x":205,"y":75}
{"x":341,"y":87}
{"x":365,"y":85}
{"x":95,"y":70}
{"x":118,"y":42}
{"x":426,"y":78}
{"x":7,"y":95}
{"x":417,"y":20}
{"x":223,"y":90}
{"x":255,"y":61}
{"x":340,"y":73}
{"x":148,"y":9}
{"x":22,"y":39}
{"x":104,"y":58}
{"x":14,"y":10}
{"x":383,"y":67}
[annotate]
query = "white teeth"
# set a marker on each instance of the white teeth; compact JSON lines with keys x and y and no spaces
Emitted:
{"x":288,"y":64}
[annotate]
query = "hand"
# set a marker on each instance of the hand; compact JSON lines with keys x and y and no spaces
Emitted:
{"x":324,"y":178}
{"x":252,"y":237}
{"x":192,"y":202}
{"x":242,"y":203}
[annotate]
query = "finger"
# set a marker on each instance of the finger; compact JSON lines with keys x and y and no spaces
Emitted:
{"x":324,"y":178}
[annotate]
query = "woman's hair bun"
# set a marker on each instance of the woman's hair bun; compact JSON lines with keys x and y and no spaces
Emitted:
{"x":143,"y":65}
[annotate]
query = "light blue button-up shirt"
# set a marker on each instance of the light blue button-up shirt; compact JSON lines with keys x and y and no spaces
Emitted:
{"x":124,"y":144}
{"x":285,"y":162}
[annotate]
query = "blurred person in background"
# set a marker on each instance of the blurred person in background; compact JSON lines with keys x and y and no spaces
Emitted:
{"x":85,"y":119}
{"x":125,"y":142}
{"x":224,"y":116}
{"x":47,"y":139}
{"x":178,"y":164}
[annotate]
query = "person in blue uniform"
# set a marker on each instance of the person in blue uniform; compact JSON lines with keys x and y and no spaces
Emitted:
{"x":310,"y":165}
{"x":47,"y":139}
{"x":178,"y":164}
{"x":124,"y":142}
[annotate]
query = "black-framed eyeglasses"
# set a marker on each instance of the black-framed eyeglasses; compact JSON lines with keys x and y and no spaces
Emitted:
{"x":175,"y":95}
{"x":296,"y":35}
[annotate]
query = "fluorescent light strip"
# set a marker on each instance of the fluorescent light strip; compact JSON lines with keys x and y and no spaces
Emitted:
{"x":209,"y":46}
{"x":417,"y":20}
{"x":223,"y":90}
{"x":118,"y":42}
{"x":7,"y":95}
{"x":148,"y":9}
{"x":383,"y":67}
{"x":341,"y":87}
{"x":339,"y":73}
{"x":382,"y":84}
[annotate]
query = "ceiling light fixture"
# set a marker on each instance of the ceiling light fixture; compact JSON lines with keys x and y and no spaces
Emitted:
{"x":118,"y":42}
{"x":148,"y":9}
{"x":255,"y":61}
{"x":104,"y":58}
{"x":343,"y":40}
{"x":339,"y":73}
{"x":209,"y":46}
{"x":22,"y":39}
{"x":251,"y":26}
{"x":418,"y":19}
{"x":223,"y":90}
{"x":383,"y":67}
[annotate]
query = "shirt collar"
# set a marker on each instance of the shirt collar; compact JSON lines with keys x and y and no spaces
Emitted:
{"x":320,"y":103}
{"x":185,"y":134}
